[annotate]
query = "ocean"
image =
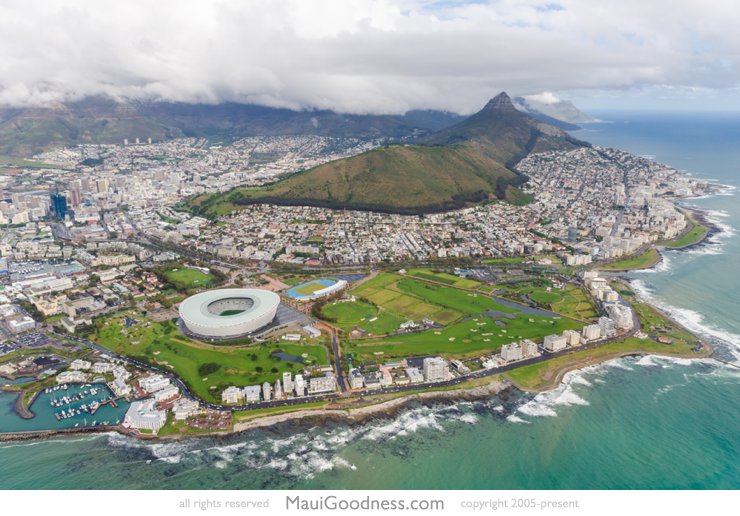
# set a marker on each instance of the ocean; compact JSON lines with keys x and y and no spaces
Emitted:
{"x":647,"y":423}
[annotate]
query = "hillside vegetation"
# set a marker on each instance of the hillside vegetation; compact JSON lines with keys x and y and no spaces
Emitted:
{"x":471,"y":162}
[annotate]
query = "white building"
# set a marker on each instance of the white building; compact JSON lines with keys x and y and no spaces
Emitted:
{"x":606,"y":327}
{"x":529,"y":348}
{"x":121,"y":372}
{"x":102,"y":367}
{"x":555,"y":342}
{"x":591,"y":332}
{"x":511,"y":352}
{"x":252,"y":393}
{"x":80,"y":365}
{"x":278,"y":390}
{"x":414,"y":375}
{"x":154,"y":383}
{"x":572,"y":337}
{"x":621,"y":315}
{"x":356,"y":380}
{"x":72,"y":377}
{"x":184,"y":408}
{"x":168,"y":392}
{"x":287,"y":383}
{"x":232,"y":395}
{"x":143,"y":416}
{"x":300,"y":385}
{"x":119,"y":387}
{"x":436,"y":369}
{"x":322,"y":384}
{"x":267,"y":391}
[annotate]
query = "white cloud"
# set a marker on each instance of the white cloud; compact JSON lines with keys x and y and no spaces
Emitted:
{"x":546,"y":97}
{"x":360,"y":56}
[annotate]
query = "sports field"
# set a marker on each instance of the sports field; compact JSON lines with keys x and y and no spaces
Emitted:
{"x":184,"y":278}
{"x":306,"y":289}
{"x":161,"y":344}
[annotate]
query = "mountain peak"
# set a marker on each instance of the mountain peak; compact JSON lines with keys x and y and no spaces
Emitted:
{"x":501,"y":102}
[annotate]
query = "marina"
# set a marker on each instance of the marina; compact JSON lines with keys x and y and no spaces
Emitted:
{"x":65,"y":406}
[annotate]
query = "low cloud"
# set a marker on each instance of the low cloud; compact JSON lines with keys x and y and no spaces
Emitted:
{"x":360,"y":56}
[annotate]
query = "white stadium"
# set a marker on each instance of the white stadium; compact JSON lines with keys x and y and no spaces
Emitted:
{"x":228,"y":313}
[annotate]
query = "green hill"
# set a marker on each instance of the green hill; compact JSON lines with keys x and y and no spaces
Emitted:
{"x":470,"y":162}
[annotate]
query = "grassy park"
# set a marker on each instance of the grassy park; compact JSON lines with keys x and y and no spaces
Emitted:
{"x":694,"y":236}
{"x":546,"y":375}
{"x":184,"y":278}
{"x":206,"y":369}
{"x":644,"y":260}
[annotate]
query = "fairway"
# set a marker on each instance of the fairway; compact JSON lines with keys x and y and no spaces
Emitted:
{"x":358,"y":314}
{"x":184,"y":278}
{"x":466,"y":339}
{"x":443,"y":277}
{"x":570,"y":300}
{"x":384,"y":292}
{"x":452,"y":298}
{"x":161,"y":344}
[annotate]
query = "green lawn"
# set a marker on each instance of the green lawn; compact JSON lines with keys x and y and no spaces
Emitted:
{"x":468,"y":338}
{"x":358,"y":314}
{"x":511,"y":260}
{"x":696,"y":235}
{"x":444,"y":277}
{"x":383,"y":292}
{"x":544,"y":375}
{"x":452,"y":298}
{"x":184,"y":278}
{"x":161,"y":344}
{"x":571,"y":301}
{"x":642,"y":261}
{"x":309,"y":288}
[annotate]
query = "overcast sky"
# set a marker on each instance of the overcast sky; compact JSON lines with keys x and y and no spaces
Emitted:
{"x":384,"y":56}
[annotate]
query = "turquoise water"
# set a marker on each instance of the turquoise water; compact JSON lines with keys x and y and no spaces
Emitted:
{"x":631,"y":423}
{"x":45,"y":418}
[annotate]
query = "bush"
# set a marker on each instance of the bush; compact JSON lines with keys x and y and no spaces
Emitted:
{"x":208,"y":368}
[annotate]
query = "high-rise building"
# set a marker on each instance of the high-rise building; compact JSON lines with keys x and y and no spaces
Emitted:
{"x":572,"y":337}
{"x":300,"y":385}
{"x":58,"y":205}
{"x":591,"y":332}
{"x":102,"y":185}
{"x":75,"y":196}
{"x":287,"y":383}
{"x":606,"y":327}
{"x":436,"y":369}
{"x":511,"y":352}
{"x":555,"y":342}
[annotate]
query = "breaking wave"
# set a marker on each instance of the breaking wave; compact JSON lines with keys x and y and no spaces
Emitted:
{"x":691,"y":319}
